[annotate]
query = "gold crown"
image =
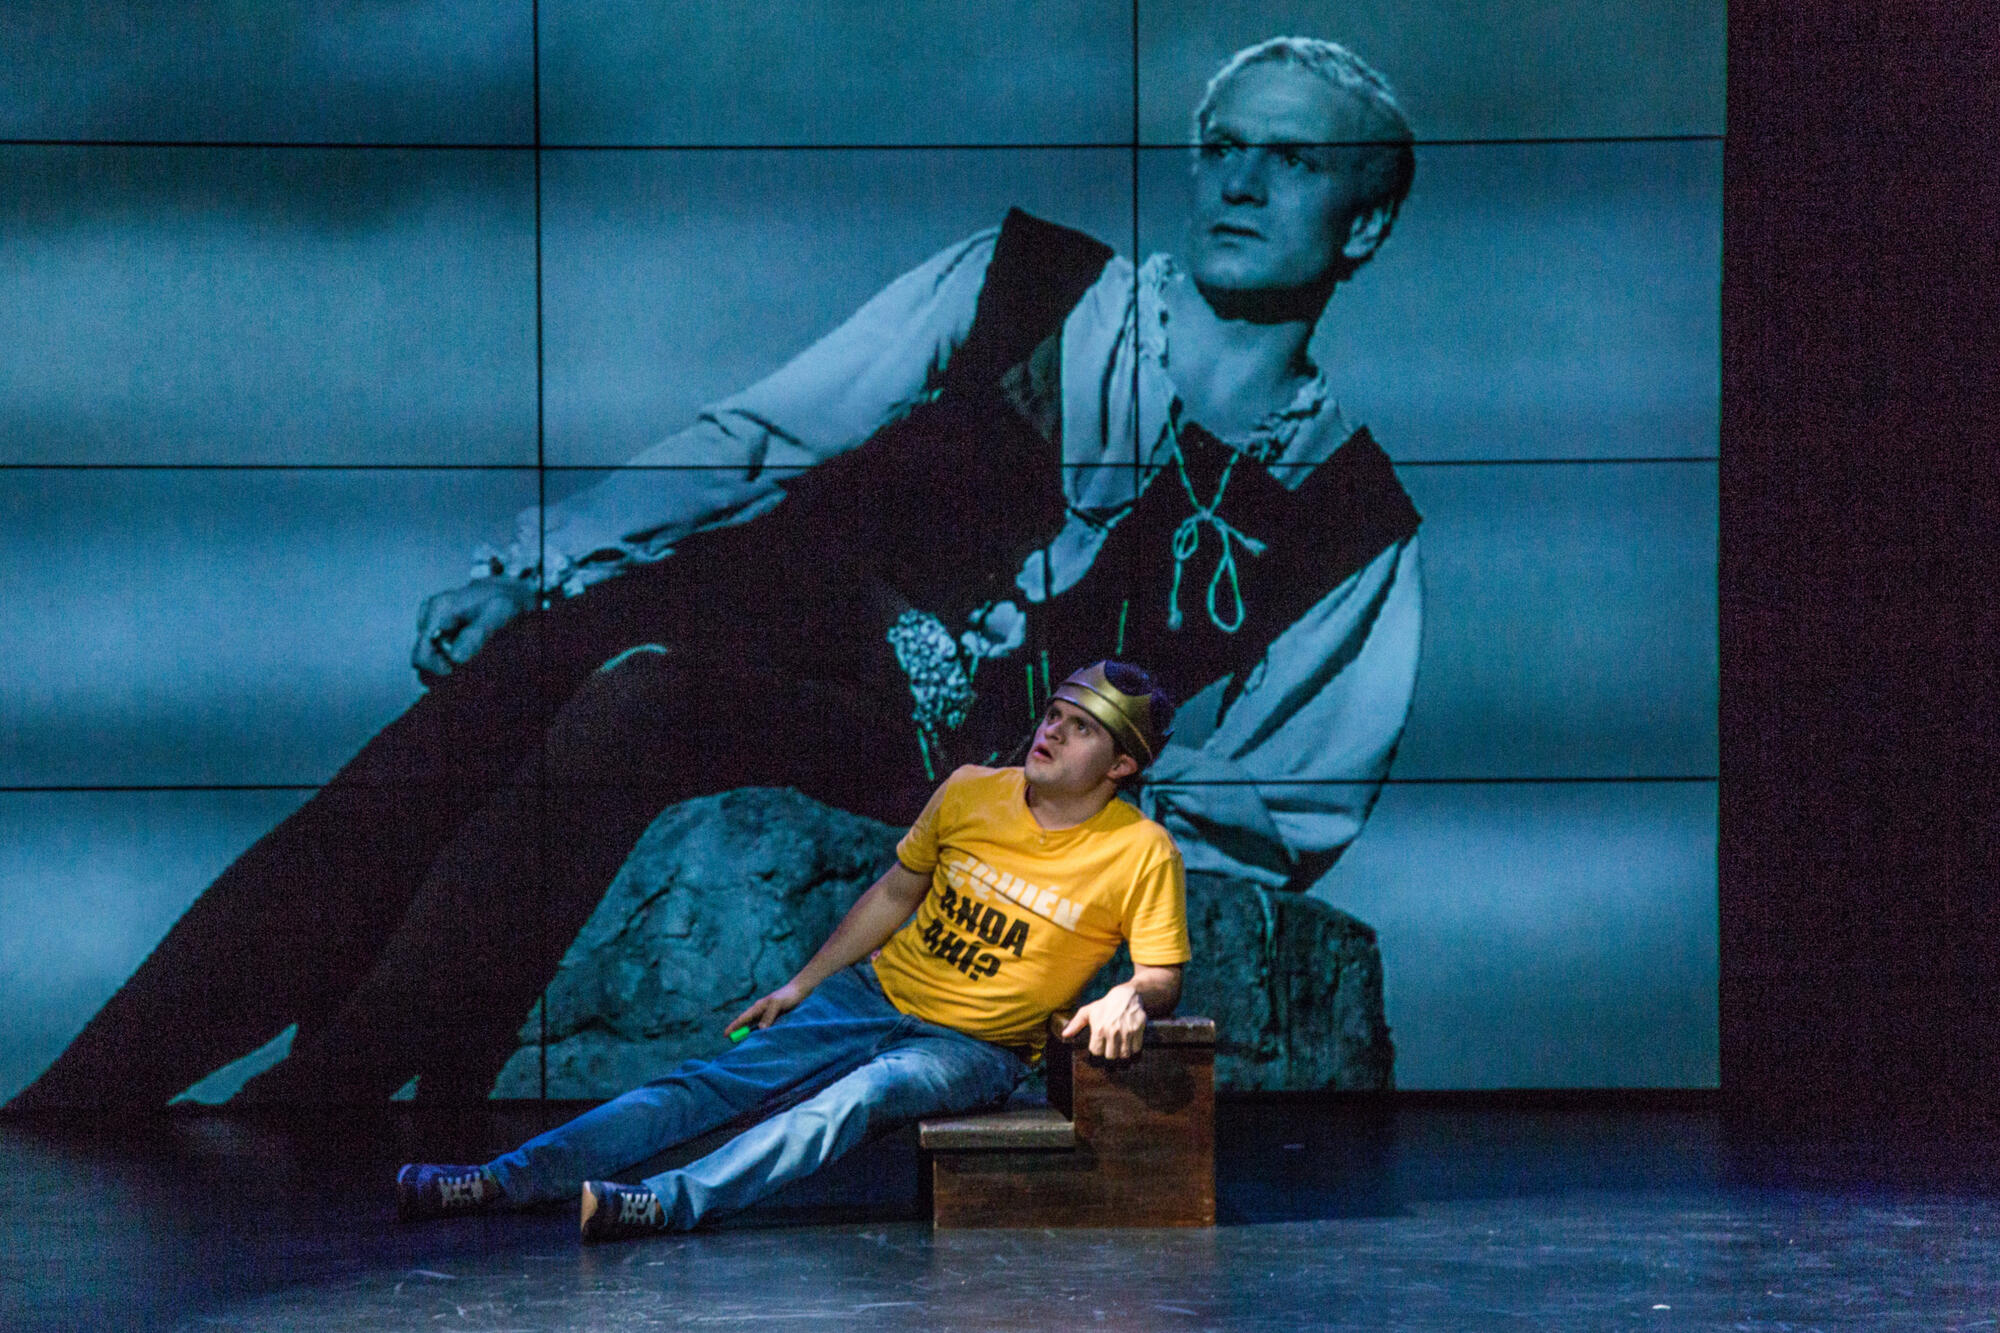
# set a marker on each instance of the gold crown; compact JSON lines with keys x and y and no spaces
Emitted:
{"x":1128,"y":717}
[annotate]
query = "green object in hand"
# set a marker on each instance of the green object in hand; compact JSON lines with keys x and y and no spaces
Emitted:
{"x":740,"y":1033}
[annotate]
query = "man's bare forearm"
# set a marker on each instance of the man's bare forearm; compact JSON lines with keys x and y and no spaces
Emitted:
{"x":1116,"y":1020}
{"x":866,"y":928}
{"x":868,"y":924}
{"x":1155,"y":987}
{"x":1158,"y":989}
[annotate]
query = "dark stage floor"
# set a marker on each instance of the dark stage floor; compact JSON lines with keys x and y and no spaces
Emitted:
{"x":1335,"y":1215}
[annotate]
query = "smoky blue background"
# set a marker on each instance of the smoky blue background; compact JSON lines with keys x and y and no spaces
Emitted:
{"x":273,"y":362}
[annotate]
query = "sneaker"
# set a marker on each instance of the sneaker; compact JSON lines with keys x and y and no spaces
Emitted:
{"x":423,"y":1190}
{"x":620,"y":1212}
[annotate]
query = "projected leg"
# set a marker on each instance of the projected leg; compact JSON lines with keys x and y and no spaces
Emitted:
{"x":483,"y":935}
{"x":288,"y":930}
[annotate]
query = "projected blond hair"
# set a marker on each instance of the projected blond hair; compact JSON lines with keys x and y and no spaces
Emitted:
{"x":1390,"y":163}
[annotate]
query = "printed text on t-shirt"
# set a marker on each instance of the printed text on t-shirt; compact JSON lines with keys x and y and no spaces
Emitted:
{"x":969,"y":874}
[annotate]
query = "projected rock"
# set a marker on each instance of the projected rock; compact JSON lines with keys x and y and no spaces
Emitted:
{"x":724,"y":897}
{"x":1294,"y":987}
{"x":721,"y":900}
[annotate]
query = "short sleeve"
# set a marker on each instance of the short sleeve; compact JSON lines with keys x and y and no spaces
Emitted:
{"x":1157,"y":929}
{"x":918,"y":849}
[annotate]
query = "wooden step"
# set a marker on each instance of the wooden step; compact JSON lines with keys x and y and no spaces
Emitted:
{"x":1020,"y":1128}
{"x":1191,"y":1031}
{"x":1124,"y":1143}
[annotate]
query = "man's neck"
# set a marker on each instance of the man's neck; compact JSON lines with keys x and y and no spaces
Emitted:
{"x":1061,"y":810}
{"x":1235,"y":366}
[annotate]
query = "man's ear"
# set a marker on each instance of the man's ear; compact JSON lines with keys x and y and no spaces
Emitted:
{"x":1367,"y":232}
{"x":1122,"y":768}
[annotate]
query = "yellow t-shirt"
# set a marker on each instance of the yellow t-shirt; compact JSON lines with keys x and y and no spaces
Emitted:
{"x":1019,"y":916}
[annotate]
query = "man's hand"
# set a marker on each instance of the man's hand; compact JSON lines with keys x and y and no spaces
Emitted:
{"x":769,"y":1009}
{"x":453,"y":626}
{"x":1117,"y":1020}
{"x":1117,"y":1023}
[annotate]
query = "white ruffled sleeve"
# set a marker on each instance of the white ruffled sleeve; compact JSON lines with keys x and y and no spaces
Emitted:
{"x":1274,"y":788}
{"x":873,"y":369}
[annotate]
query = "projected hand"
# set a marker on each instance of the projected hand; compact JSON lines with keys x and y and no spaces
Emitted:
{"x":453,"y":626}
{"x":769,"y":1009}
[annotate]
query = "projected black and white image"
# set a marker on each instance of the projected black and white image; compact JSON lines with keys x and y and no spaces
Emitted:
{"x":798,"y":447}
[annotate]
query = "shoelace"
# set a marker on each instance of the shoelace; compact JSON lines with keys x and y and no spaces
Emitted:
{"x":1187,"y":539}
{"x":461,"y":1191}
{"x":637,"y":1208}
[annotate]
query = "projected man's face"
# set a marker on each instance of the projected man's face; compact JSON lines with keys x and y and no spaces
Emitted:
{"x":1277,"y":207}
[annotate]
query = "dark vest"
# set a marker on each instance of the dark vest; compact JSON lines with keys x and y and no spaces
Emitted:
{"x":938,"y":512}
{"x":1347,"y":511}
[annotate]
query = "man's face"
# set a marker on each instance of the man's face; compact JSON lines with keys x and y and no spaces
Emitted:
{"x":1275,"y":205}
{"x":1072,"y":752}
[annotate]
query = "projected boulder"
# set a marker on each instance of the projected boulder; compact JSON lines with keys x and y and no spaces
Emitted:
{"x":725,"y":896}
{"x":1294,"y":987}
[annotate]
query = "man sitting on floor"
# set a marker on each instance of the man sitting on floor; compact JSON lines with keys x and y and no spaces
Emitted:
{"x":1022,"y":881}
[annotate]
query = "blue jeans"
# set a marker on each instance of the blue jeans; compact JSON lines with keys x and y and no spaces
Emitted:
{"x":869,"y":1067}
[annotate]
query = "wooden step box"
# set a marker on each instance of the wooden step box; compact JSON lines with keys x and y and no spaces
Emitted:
{"x":1127,"y":1143}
